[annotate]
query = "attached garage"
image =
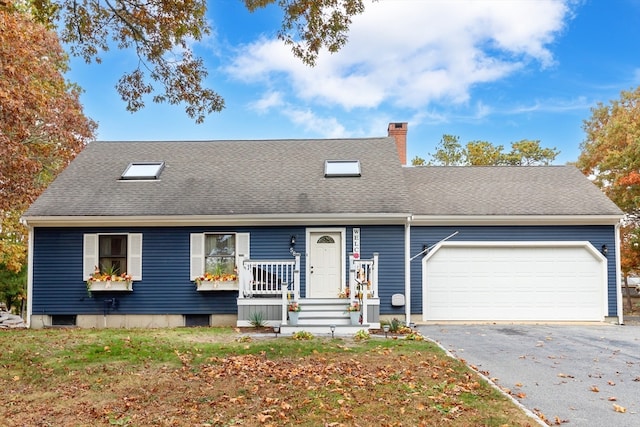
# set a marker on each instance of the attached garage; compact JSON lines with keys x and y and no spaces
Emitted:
{"x":514,"y":281}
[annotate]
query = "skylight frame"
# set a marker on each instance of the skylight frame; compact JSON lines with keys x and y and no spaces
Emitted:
{"x":145,"y":171}
{"x":342,"y":168}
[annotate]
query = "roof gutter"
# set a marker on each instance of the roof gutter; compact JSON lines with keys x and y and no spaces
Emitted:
{"x":218,"y":220}
{"x":462,"y":220}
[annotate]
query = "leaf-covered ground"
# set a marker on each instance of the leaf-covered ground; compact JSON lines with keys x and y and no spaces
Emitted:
{"x":203,"y":378}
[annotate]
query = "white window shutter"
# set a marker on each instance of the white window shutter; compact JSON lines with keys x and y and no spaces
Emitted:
{"x":89,"y":255}
{"x":196,"y":267}
{"x":242,"y":245}
{"x":134,"y":255}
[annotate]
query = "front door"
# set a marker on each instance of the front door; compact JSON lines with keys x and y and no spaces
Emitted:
{"x":325,"y":265}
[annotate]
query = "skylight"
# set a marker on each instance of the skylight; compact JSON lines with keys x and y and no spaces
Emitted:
{"x":335,"y":168}
{"x":143,"y":170}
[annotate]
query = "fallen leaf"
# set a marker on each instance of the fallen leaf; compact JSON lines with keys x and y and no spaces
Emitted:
{"x":595,"y":389}
{"x":612,"y":399}
{"x":619,"y":408}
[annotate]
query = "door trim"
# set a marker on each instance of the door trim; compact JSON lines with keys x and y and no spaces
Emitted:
{"x":343,"y":252}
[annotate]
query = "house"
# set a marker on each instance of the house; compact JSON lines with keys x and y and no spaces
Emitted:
{"x":155,"y":234}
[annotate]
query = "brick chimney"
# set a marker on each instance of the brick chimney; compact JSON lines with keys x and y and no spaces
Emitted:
{"x":399,"y":132}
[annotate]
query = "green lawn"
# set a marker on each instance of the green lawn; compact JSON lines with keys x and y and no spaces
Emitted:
{"x":221,"y":377}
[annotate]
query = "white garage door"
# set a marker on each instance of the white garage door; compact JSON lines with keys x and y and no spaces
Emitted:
{"x":522,"y":281}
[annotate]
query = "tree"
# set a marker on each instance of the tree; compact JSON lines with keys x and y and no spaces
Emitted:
{"x":42,"y":126}
{"x":13,"y":290}
{"x":610,"y":155}
{"x":449,"y":152}
{"x":529,"y":153}
{"x":161,"y":34}
{"x":611,"y":151}
{"x":482,"y":153}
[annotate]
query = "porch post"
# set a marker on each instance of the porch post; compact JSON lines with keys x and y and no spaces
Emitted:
{"x":285,"y":303}
{"x":352,"y":279}
{"x":296,"y":277}
{"x":242,"y":276}
{"x":374,"y":275}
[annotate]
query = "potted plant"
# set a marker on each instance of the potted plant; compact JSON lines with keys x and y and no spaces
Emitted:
{"x":293,"y":310}
{"x":354,"y":312}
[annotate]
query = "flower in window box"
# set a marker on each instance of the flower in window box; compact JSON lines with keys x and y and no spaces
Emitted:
{"x":108,"y":276}
{"x":210,"y":277}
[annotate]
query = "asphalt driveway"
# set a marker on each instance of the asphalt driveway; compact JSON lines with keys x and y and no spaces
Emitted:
{"x":575,"y":374}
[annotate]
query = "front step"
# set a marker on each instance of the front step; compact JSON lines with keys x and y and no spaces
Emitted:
{"x":340,"y":330}
{"x":323,"y":312}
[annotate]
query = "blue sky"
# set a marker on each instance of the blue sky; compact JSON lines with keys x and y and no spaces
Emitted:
{"x":495,"y":70}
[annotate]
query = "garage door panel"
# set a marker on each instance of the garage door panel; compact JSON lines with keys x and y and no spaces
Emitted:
{"x":513,"y":283}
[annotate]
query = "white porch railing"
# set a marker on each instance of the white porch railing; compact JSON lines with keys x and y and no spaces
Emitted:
{"x":270,"y":277}
{"x":363,"y":282}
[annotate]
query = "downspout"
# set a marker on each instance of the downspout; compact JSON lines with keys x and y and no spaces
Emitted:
{"x":407,"y":270}
{"x":619,"y":301}
{"x":29,"y":276}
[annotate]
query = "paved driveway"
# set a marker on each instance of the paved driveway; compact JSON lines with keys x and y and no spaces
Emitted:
{"x":568,"y":373}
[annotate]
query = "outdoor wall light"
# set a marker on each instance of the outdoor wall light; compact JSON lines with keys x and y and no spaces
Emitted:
{"x":333,"y":330}
{"x":292,"y":242}
{"x":385,"y":328}
{"x":604,"y":250}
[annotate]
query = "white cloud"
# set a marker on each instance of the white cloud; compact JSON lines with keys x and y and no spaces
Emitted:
{"x":411,"y":53}
{"x":267,"y":102}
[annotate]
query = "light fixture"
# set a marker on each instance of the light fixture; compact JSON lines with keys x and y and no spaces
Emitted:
{"x":425,"y":247}
{"x":385,"y":328}
{"x":604,"y":250}
{"x":292,"y":243}
{"x":333,"y":330}
{"x":276,"y":329}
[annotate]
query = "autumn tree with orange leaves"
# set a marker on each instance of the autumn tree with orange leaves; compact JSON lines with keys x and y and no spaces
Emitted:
{"x":42,"y":126}
{"x":162,"y":35}
{"x":611,"y":155}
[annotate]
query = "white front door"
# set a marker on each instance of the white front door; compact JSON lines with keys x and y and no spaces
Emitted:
{"x":325,"y":265}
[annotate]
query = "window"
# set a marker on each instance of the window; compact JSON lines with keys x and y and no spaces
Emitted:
{"x":217,"y":253}
{"x":143,"y":170}
{"x":112,"y":255}
{"x":117,"y":253}
{"x":341,"y":168}
{"x":220,"y":254}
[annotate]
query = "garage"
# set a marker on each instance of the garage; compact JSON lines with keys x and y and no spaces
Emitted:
{"x":514,"y":281}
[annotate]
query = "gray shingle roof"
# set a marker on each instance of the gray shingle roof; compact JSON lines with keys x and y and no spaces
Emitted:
{"x":520,"y":190}
{"x":258,"y":178}
{"x":229,"y":178}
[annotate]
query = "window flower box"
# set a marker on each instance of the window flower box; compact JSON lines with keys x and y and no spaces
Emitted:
{"x":110,"y":286}
{"x":217,"y":282}
{"x":109,"y":282}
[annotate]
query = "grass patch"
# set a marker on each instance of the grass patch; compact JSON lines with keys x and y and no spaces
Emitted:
{"x":215,"y":377}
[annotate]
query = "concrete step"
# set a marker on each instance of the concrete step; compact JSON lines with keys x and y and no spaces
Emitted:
{"x":318,"y":329}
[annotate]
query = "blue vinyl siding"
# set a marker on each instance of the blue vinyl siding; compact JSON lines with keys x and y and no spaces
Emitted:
{"x":388,"y":242}
{"x":59,"y":287}
{"x":165,"y":288}
{"x":597,"y":235}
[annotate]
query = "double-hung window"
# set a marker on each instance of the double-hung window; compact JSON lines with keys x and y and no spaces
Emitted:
{"x":112,"y":254}
{"x":216,"y":256}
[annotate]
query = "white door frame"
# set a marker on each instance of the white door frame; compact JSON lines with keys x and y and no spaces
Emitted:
{"x":343,"y":252}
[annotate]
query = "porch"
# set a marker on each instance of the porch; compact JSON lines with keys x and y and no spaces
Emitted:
{"x":268,"y":289}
